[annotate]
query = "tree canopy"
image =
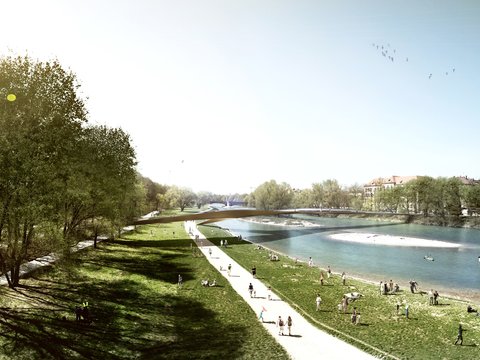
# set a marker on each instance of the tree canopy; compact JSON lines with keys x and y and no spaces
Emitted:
{"x":57,"y":172}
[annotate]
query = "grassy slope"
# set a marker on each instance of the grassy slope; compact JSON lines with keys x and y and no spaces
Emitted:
{"x":428,"y":334}
{"x":138,"y":309}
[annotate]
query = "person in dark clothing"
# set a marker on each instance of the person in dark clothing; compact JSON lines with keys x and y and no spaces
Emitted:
{"x":460,"y":335}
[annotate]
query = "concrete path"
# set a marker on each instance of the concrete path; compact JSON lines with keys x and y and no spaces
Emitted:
{"x":47,"y":260}
{"x":307,"y":341}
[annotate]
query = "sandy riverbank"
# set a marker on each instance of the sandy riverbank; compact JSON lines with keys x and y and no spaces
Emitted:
{"x":390,"y":240}
{"x":287,"y":222}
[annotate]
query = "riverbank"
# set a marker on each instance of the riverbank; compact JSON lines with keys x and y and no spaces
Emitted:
{"x":468,"y":222}
{"x":429,"y":330}
{"x":466,"y":295}
{"x":281,"y":221}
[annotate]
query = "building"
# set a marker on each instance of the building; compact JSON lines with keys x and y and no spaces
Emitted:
{"x":386,"y":183}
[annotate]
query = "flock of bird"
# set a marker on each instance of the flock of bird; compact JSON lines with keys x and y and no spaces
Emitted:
{"x":390,"y":55}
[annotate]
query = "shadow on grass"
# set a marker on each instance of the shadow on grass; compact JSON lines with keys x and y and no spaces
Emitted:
{"x":130,"y":320}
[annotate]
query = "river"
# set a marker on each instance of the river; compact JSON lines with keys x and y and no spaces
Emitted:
{"x":454,"y":271}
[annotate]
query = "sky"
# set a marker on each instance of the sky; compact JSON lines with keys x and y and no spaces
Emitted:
{"x":222,"y":96}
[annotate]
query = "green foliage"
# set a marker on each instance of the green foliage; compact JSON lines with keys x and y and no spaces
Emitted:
{"x":56,"y":173}
{"x":181,"y":197}
{"x":271,"y":195}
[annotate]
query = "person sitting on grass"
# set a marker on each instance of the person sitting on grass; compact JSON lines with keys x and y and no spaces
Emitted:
{"x":214,"y":283}
{"x":470,"y":309}
{"x":205,"y":282}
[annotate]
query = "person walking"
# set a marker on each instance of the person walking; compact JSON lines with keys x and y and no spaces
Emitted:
{"x":229,"y":269}
{"x":406,"y":310}
{"x":254,"y":272}
{"x":269,"y":293}
{"x":460,"y":335}
{"x":289,"y":325}
{"x":321,"y":278}
{"x":281,"y":325}
{"x":260,"y":316}
{"x":318,"y":301}
{"x":250,"y":289}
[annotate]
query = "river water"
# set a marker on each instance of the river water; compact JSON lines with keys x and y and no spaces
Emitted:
{"x":455,"y":271}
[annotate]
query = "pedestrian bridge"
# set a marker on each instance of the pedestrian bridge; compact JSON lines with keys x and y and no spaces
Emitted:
{"x":219,"y":215}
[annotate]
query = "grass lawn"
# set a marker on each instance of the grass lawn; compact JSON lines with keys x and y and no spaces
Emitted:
{"x":138,"y":310}
{"x":429,"y":333}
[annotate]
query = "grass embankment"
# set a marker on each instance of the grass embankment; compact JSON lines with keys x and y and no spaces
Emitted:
{"x":429,"y":333}
{"x":137,"y":308}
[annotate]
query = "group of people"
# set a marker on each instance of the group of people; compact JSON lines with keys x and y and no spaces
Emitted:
{"x":208,"y":283}
{"x":281,"y":325}
{"x":272,"y":256}
{"x":82,"y":312}
{"x":223,"y":243}
{"x":433,"y":296}
{"x":388,"y":287}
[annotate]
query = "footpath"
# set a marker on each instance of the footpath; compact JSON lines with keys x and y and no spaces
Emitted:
{"x":306,"y":340}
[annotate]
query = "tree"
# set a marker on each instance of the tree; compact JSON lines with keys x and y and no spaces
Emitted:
{"x":203,"y":198}
{"x":391,"y":199}
{"x":270,"y":195}
{"x":303,"y":198}
{"x":318,"y":195}
{"x":334,"y":196}
{"x":181,"y":197}
{"x":471,"y":196}
{"x":38,"y":133}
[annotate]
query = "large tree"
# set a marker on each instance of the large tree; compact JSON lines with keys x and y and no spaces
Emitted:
{"x":180,"y":196}
{"x":41,"y":117}
{"x":270,"y":195}
{"x":57,"y":174}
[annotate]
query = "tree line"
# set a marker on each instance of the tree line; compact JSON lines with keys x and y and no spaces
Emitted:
{"x":444,"y":197}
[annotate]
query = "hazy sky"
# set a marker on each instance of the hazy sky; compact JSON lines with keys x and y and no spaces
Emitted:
{"x":224,"y":95}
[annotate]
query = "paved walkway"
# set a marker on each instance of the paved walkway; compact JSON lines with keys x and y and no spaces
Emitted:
{"x":307,"y":341}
